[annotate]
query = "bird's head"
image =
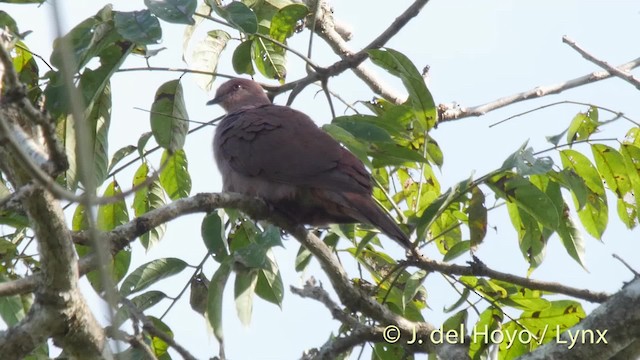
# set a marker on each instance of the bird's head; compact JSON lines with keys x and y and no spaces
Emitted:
{"x":239,"y":93}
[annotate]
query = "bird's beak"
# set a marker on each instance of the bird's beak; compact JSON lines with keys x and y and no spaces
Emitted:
{"x":215,"y":100}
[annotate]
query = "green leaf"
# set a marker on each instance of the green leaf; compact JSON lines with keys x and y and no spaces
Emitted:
{"x":531,"y":238}
{"x":420,"y":98}
{"x":169,"y":116}
{"x":631,"y":156}
{"x":146,"y":199}
{"x":116,"y":269}
{"x":456,"y":250}
{"x":173,"y":11}
{"x":583,"y":125}
{"x":79,"y":221}
{"x":562,"y":314}
{"x":212,"y":230}
{"x":140,"y":27}
{"x":142,"y":142}
{"x":269,"y":60}
{"x":175,"y":178}
{"x":158,"y":345}
{"x":393,"y":154}
{"x":245,"y":286}
{"x":595,"y":214}
{"x":142,"y":302}
{"x":612,"y":169}
{"x":99,"y":121}
{"x":581,"y":165}
{"x":12,"y":310}
{"x":93,"y":83}
{"x":365,"y":131}
{"x":516,"y":189}
{"x":214,"y":299}
{"x":434,"y":152}
{"x":489,"y":321}
{"x":240,"y":16}
{"x":199,"y":290}
{"x":569,"y":234}
{"x":241,"y":59}
{"x":147,"y":274}
{"x":119,"y":155}
{"x":26,"y":67}
{"x":86,"y":40}
{"x":414,"y":285}
{"x":526,"y":163}
{"x":284,"y":22}
{"x":207,"y":55}
{"x":439,"y":206}
{"x":65,"y":130}
{"x":357,"y":147}
{"x":115,"y":213}
{"x":477,"y":214}
{"x":270,"y":286}
{"x":7,"y":22}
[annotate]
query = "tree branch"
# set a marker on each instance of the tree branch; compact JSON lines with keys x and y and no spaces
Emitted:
{"x":448,"y":112}
{"x":59,"y":310}
{"x":622,"y":74}
{"x":482,"y":270}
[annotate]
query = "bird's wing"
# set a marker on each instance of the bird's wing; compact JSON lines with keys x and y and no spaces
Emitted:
{"x":283,"y":145}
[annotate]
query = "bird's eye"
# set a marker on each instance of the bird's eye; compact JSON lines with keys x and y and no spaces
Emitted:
{"x":237,"y":87}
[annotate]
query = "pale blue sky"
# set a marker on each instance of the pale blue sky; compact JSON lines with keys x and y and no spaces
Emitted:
{"x":478,"y":52}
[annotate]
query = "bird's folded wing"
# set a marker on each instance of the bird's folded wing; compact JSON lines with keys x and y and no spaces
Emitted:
{"x":283,"y":145}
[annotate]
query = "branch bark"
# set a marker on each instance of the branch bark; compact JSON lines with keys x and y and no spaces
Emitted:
{"x":59,"y":310}
{"x":448,"y":112}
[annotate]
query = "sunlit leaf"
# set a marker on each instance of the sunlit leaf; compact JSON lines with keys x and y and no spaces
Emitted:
{"x":420,"y":98}
{"x":175,"y":178}
{"x":206,"y":55}
{"x":112,"y":214}
{"x":244,"y":288}
{"x":612,"y":168}
{"x":517,"y":189}
{"x":283,"y":23}
{"x":148,"y":198}
{"x":583,"y":125}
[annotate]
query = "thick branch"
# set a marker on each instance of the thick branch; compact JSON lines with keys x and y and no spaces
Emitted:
{"x":59,"y":310}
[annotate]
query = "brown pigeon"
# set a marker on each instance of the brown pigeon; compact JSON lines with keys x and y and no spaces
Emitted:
{"x":277,"y":153}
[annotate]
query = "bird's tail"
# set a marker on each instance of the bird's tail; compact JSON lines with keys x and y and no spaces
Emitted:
{"x":369,"y":212}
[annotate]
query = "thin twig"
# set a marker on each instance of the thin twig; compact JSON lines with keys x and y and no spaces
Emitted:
{"x":622,"y":74}
{"x":633,"y":271}
{"x":151,"y":329}
{"x":616,"y":113}
{"x":175,"y":300}
{"x":450,"y":113}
